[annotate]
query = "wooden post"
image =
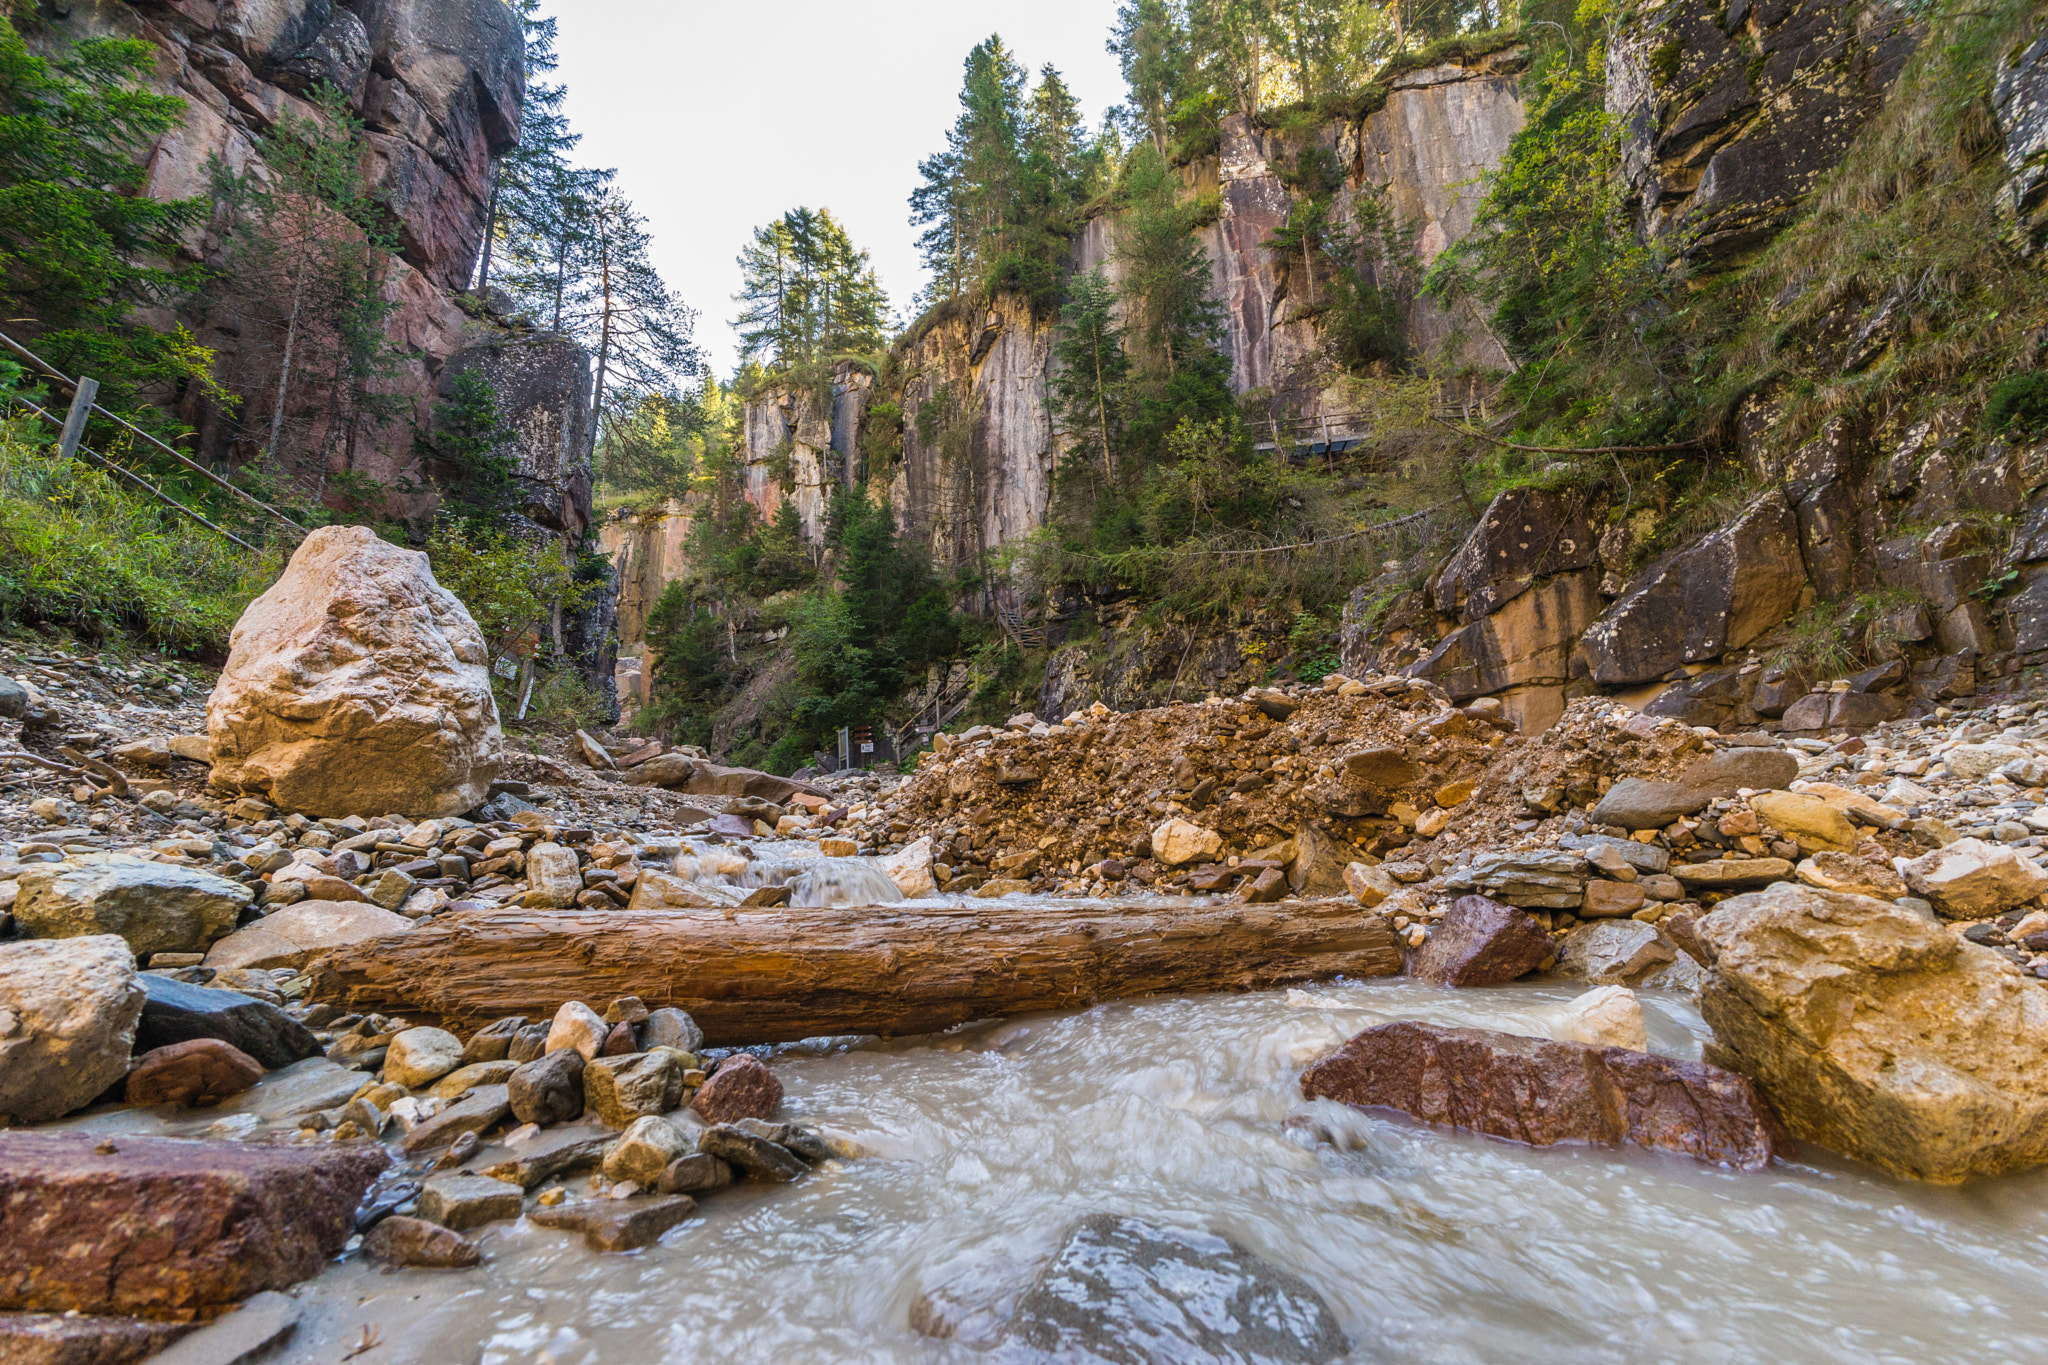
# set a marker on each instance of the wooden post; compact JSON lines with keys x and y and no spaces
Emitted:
{"x":74,"y":423}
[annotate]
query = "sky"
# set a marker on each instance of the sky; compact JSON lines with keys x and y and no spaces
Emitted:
{"x":722,"y":116}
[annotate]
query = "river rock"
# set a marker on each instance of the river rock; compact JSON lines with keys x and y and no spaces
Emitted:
{"x":1652,"y":803}
{"x":578,"y":1026}
{"x":1543,"y":1092}
{"x":481,"y":1110}
{"x":153,"y":907}
{"x":1613,"y":951}
{"x":1972,"y":762}
{"x":399,"y":1240}
{"x":622,"y":1089}
{"x":493,"y":1042}
{"x":1878,"y":1033}
{"x":68,"y":1011}
{"x":740,"y":1089}
{"x":1369,"y":885}
{"x":1973,"y":879}
{"x":80,"y":1338}
{"x":1808,"y":821}
{"x":1176,"y":842}
{"x":645,"y":1149}
{"x":356,"y":685}
{"x":553,"y":1153}
{"x":459,"y":1201}
{"x":1123,"y":1289}
{"x":552,"y":875}
{"x":295,"y":935}
{"x":419,"y":1056}
{"x":1480,"y":942}
{"x":618,"y":1224}
{"x":549,"y":1090}
{"x":162,"y":1226}
{"x":671,"y":1027}
{"x":177,"y":1012}
{"x":1606,"y":1016}
{"x":911,"y":869}
{"x":710,"y":779}
{"x":1612,"y":900}
{"x":663,"y":770}
{"x":1720,"y":872}
{"x":1851,"y":875}
{"x":755,"y":1155}
{"x":464,"y":1079}
{"x":694,"y":1173}
{"x":1540,"y":879}
{"x":203,"y":1071}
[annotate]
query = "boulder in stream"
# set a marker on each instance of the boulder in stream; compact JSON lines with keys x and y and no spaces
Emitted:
{"x":1481,"y":942}
{"x":1879,"y":1033}
{"x":68,"y":1009}
{"x":1124,"y":1289}
{"x":1543,"y":1093}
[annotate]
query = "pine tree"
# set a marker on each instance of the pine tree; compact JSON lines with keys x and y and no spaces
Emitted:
{"x":638,"y":330}
{"x":1175,"y":325}
{"x":530,"y":182}
{"x":1151,"y":44}
{"x":967,"y":202}
{"x":79,"y":241}
{"x":1090,"y":375}
{"x":806,"y":291}
{"x":307,"y":252}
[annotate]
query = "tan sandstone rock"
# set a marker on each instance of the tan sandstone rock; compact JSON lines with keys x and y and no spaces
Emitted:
{"x":1971,"y":879}
{"x":1808,"y":821}
{"x":356,"y":685}
{"x":299,"y":933}
{"x":1177,"y":841}
{"x":68,"y":1011}
{"x":1878,"y":1033}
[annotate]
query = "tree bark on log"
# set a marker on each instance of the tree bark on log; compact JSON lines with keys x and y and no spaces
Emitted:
{"x":766,"y":976}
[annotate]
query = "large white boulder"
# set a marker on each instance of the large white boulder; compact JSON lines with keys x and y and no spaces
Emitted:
{"x":68,"y":1010}
{"x":356,"y":685}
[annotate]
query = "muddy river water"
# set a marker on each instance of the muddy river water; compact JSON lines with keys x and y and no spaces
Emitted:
{"x":1429,"y":1246}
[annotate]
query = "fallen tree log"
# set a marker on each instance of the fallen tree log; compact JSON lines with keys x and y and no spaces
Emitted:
{"x":775,"y":975}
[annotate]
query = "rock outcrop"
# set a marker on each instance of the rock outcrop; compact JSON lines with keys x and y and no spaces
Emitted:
{"x":1733,"y":115}
{"x":68,"y":1009}
{"x":356,"y":685}
{"x":1541,"y":1092}
{"x":1878,"y":1033}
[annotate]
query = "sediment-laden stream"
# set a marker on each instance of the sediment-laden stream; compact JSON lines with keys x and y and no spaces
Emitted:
{"x":1429,"y":1246}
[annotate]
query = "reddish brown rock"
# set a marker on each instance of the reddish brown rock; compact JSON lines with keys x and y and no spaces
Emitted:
{"x":1543,"y":1093}
{"x":164,"y":1227}
{"x":1481,"y":942}
{"x":398,"y":1240}
{"x":81,"y":1339}
{"x":618,"y":1224}
{"x":620,"y":1042}
{"x":742,"y":1089}
{"x":203,"y":1071}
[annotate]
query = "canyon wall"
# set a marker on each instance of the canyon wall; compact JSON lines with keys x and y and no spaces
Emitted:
{"x":437,"y":85}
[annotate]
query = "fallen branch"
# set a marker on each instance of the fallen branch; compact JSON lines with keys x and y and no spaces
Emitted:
{"x":107,"y":773}
{"x":776,"y":975}
{"x":62,"y":769}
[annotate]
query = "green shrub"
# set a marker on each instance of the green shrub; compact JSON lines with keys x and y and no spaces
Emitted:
{"x":2019,"y":404}
{"x":80,"y":549}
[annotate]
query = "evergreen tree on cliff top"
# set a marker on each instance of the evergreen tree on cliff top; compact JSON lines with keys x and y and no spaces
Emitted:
{"x":807,"y":292}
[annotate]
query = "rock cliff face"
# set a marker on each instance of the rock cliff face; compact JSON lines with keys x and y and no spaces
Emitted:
{"x":438,"y":85}
{"x":1734,"y":112}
